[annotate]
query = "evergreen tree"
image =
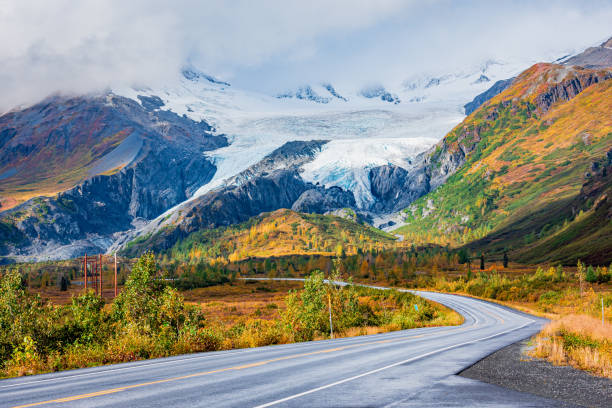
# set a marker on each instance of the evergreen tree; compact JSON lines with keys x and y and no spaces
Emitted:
{"x":63,"y":284}
{"x":505,"y":259}
{"x":482,"y":262}
{"x":591,"y":276}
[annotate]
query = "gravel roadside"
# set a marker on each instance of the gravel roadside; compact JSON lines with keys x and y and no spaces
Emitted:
{"x":511,"y":368}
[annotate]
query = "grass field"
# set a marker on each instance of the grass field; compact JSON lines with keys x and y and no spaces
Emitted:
{"x":230,"y":303}
{"x":45,"y":329}
{"x":558,"y":293}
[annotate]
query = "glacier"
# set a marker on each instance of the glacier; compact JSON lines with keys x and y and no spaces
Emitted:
{"x":363,"y":132}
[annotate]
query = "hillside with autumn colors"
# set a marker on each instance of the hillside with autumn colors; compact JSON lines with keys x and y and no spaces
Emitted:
{"x":528,"y":174}
{"x":536,"y":176}
{"x":279,"y":233}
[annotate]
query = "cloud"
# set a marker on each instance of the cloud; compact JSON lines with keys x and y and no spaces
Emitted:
{"x":78,"y":46}
{"x":88,"y":45}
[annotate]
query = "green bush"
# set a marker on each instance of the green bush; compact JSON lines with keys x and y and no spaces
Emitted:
{"x":590,"y":276}
{"x":21,"y":315}
{"x":88,"y":317}
{"x":550,"y":297}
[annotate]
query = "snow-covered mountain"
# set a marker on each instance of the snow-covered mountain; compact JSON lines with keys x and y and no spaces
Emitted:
{"x":366,"y":126}
{"x":265,"y":157}
{"x":322,"y":93}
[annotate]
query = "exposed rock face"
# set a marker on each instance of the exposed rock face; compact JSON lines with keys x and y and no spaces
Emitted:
{"x":395,"y":188}
{"x":321,"y":200}
{"x":269,"y":185}
{"x":378,"y":91}
{"x":68,"y":128}
{"x":279,"y":189}
{"x":568,"y":89}
{"x":594,"y":57}
{"x":167,"y":168}
{"x":291,"y":155}
{"x":497,"y":88}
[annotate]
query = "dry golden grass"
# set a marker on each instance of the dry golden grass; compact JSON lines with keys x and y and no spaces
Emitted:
{"x":579,"y":340}
{"x":229,"y":303}
{"x":583,"y":325}
{"x":362,"y":331}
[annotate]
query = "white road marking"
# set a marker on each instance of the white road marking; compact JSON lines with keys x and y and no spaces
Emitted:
{"x":297,"y":345}
{"x":301,"y":394}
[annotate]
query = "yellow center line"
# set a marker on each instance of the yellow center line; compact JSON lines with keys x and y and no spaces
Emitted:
{"x":256,"y":364}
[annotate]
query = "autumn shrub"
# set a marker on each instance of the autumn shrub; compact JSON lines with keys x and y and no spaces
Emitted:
{"x":147,"y":306}
{"x":79,"y":355}
{"x":132,"y":344}
{"x":208,"y":339}
{"x":306,"y":311}
{"x":88,"y":319}
{"x":550,"y":297}
{"x":25,"y":359}
{"x":579,"y":340}
{"x":604,"y":274}
{"x":22,"y":315}
{"x":259,"y":332}
{"x":150,"y":319}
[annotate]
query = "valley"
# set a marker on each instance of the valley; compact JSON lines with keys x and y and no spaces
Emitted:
{"x":478,"y":197}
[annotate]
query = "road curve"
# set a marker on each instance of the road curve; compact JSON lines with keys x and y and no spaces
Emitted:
{"x":409,"y":368}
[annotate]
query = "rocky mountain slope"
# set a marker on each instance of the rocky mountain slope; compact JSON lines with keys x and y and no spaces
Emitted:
{"x":593,"y":57}
{"x":497,"y":88}
{"x":92,"y":173}
{"x":129,"y":161}
{"x":514,"y":169}
{"x":269,"y":185}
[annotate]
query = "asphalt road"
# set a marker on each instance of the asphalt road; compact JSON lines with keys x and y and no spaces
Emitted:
{"x":410,"y":368}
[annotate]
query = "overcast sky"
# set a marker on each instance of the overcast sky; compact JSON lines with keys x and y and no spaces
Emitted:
{"x":269,"y":45}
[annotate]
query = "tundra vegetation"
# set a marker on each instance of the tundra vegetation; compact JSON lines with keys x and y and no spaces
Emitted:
{"x":555,"y":291}
{"x":150,"y":318}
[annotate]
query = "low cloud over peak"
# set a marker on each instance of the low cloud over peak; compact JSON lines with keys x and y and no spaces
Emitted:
{"x":82,"y":46}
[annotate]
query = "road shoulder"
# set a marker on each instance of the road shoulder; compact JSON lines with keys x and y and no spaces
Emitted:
{"x":511,"y":368}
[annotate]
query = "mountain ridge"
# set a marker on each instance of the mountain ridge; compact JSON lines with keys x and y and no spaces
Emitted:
{"x":84,"y":217}
{"x":557,"y":111}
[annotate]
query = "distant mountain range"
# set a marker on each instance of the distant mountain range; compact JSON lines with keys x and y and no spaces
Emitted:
{"x":135,"y":169}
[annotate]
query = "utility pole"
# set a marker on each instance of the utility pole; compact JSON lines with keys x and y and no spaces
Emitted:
{"x":100,"y":268}
{"x":115,"y":274}
{"x":331,"y":327}
{"x":85,"y":268}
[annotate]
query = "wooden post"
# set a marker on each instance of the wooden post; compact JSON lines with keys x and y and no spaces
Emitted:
{"x":115,"y":274}
{"x":100,"y":268}
{"x":85,"y":263}
{"x":331,"y":326}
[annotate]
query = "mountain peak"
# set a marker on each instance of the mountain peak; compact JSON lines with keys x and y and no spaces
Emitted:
{"x":378,"y":91}
{"x":194,"y":75}
{"x":306,"y":92}
{"x":594,"y":57}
